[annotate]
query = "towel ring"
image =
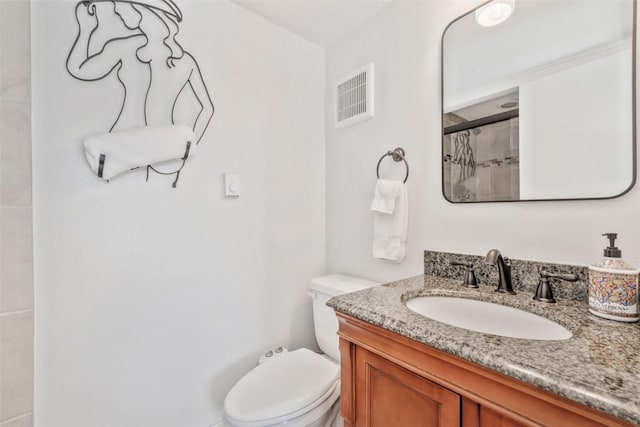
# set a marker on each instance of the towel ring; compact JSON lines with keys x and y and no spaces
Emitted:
{"x":397,"y":155}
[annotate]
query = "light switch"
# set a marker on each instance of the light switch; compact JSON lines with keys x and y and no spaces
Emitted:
{"x":231,"y":184}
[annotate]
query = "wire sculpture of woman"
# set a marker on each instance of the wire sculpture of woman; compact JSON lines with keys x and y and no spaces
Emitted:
{"x":150,"y":64}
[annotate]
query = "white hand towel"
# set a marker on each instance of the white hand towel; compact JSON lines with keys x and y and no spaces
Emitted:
{"x":384,"y":198}
{"x":390,"y":230}
{"x":138,"y":147}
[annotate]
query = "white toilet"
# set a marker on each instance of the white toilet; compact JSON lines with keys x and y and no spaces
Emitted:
{"x":300,"y":388}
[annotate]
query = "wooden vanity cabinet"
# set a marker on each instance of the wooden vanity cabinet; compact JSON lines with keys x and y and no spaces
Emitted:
{"x":392,"y":381}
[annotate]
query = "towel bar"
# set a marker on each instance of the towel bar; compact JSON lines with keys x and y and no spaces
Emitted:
{"x":397,"y":155}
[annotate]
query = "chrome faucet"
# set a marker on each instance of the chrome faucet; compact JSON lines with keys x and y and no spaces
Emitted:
{"x":494,"y":257}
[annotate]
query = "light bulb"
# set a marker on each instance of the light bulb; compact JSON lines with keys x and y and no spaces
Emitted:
{"x":495,"y":12}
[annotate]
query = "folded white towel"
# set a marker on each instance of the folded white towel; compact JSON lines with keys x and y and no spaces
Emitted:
{"x":129,"y":149}
{"x":390,"y":230}
{"x":384,"y":198}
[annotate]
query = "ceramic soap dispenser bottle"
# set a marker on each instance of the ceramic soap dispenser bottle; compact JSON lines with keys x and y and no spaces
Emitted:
{"x":613,"y":286}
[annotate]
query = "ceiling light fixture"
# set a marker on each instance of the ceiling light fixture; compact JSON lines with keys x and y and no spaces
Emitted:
{"x":495,"y":12}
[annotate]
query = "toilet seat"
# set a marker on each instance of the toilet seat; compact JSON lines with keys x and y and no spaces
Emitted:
{"x":282,"y":389}
{"x":301,"y":418}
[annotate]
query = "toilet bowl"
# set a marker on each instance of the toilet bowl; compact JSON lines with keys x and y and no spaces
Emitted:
{"x":300,"y":388}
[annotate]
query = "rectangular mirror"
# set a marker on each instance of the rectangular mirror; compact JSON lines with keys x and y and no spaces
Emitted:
{"x":542,"y":105}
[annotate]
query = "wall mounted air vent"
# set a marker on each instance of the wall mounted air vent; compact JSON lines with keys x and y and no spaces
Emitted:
{"x":354,"y":97}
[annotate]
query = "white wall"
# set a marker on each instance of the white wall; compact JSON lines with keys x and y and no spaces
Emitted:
{"x":591,"y":158}
{"x":153,"y":301}
{"x":403,"y":40}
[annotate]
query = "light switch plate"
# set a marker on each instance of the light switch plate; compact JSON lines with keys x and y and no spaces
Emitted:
{"x":231,"y":184}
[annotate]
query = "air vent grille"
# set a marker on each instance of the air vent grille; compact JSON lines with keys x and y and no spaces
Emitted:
{"x":354,"y":97}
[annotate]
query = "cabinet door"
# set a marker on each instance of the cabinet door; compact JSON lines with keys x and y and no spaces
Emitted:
{"x":489,"y":418}
{"x":390,"y":396}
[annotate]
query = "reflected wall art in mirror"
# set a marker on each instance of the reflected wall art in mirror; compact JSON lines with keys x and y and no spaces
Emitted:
{"x":542,"y":105}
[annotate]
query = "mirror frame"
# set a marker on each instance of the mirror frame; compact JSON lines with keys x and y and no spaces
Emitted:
{"x":633,"y":121}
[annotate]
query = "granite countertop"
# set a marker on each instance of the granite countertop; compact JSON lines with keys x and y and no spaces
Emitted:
{"x":598,"y":366}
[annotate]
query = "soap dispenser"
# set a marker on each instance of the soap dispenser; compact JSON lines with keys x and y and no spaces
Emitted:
{"x":613,"y":286}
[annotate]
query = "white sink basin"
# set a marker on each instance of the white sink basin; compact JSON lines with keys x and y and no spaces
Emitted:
{"x":488,"y":318}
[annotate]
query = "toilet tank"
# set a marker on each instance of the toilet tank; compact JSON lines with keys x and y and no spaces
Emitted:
{"x":324,"y":318}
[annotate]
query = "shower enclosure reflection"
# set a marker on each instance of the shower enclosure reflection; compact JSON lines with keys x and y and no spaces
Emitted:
{"x":481,"y":151}
{"x":483,"y":163}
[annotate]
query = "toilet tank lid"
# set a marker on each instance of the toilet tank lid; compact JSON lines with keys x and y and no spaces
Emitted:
{"x":338,"y":284}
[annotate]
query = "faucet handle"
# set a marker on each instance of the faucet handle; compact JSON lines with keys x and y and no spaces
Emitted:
{"x":470,"y":275}
{"x":569,"y":277}
{"x":543,"y":291}
{"x":464,"y":264}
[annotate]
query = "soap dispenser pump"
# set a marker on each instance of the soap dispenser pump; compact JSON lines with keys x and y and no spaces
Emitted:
{"x":613,"y":286}
{"x":612,"y":250}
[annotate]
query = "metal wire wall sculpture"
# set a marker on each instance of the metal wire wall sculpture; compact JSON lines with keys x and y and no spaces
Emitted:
{"x":153,"y":69}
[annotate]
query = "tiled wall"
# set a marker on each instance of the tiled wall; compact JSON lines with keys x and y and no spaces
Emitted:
{"x":16,"y":259}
